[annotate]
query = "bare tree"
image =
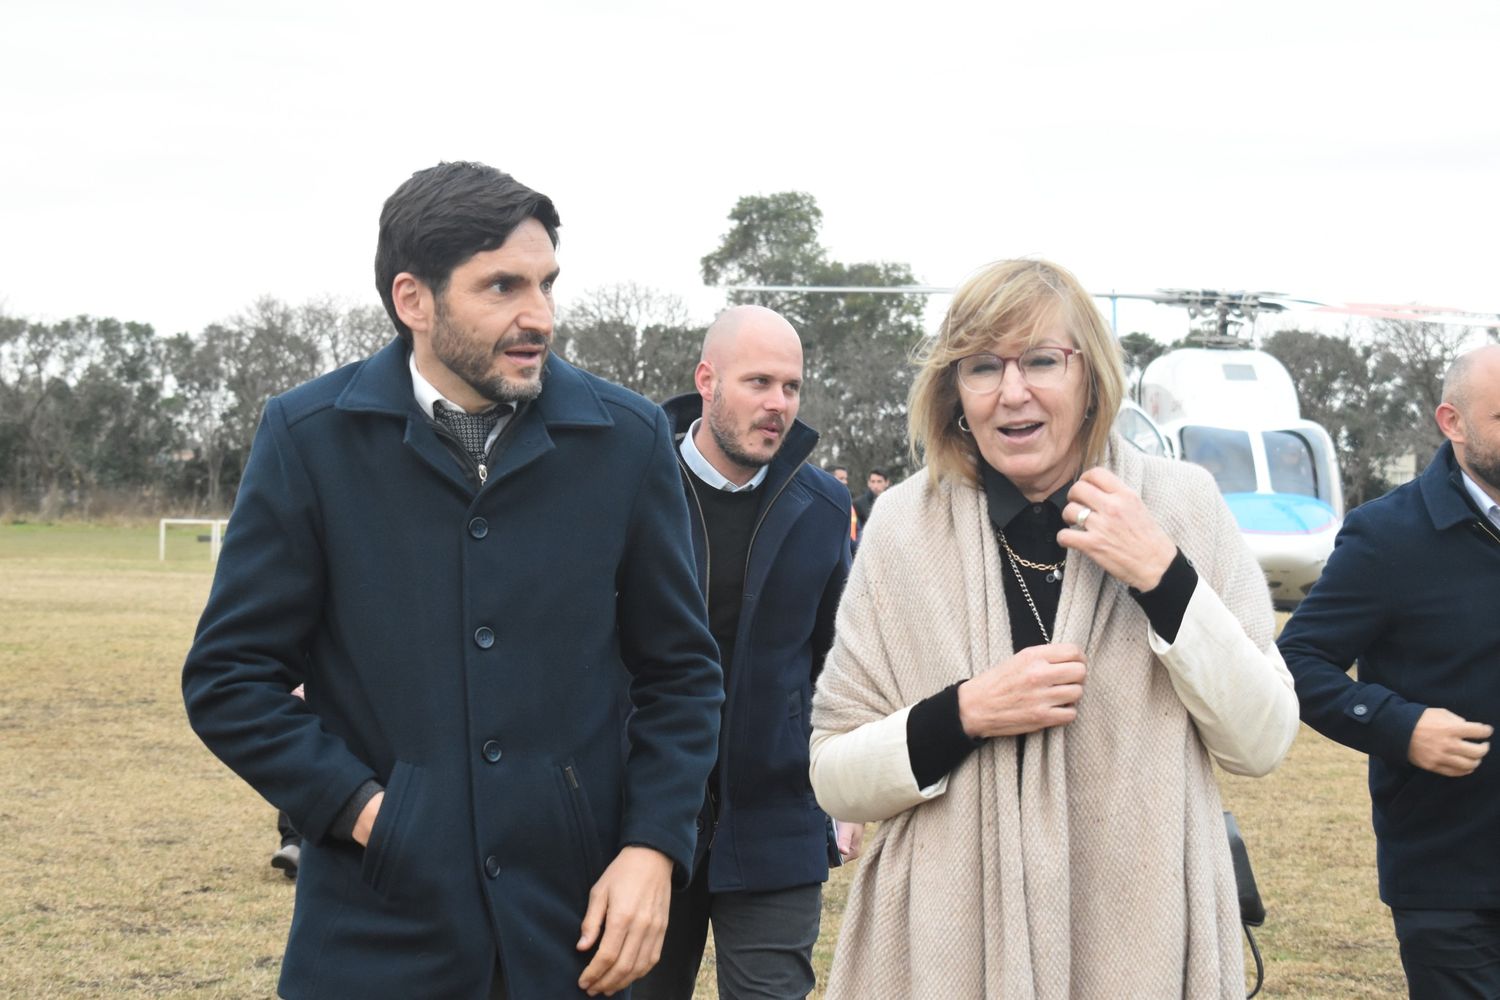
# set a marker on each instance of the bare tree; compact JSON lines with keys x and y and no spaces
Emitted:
{"x":638,"y":337}
{"x":1415,"y":358}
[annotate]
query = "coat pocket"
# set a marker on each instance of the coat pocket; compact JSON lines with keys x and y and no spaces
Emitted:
{"x":591,"y":855}
{"x":383,"y":866}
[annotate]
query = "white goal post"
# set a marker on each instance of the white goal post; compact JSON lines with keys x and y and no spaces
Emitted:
{"x":215,"y":534}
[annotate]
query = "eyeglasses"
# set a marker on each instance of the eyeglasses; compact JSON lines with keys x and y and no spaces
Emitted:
{"x":1041,"y":368}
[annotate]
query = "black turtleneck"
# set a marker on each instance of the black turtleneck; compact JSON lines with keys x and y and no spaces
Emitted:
{"x":935,"y":739}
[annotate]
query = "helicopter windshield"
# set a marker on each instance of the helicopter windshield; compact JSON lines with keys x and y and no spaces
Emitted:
{"x":1224,"y":453}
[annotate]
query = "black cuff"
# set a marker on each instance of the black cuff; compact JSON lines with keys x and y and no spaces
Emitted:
{"x":1167,"y":602}
{"x":343,"y":823}
{"x":935,"y":739}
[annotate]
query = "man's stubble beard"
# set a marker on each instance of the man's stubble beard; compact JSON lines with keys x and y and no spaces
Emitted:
{"x":472,"y":362}
{"x":723,"y":431}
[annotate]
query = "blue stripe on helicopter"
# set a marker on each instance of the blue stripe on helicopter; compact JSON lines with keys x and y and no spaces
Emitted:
{"x":1279,"y":513}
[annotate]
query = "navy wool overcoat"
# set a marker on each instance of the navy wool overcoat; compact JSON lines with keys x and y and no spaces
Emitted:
{"x":525,"y":666}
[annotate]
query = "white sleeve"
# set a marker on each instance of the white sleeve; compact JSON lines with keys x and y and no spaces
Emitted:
{"x":1241,"y":698}
{"x":864,"y":775}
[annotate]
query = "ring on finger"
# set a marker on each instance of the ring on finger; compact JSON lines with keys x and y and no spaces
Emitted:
{"x":1083,"y":515}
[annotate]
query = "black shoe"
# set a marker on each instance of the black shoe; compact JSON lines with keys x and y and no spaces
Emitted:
{"x":287,"y":859}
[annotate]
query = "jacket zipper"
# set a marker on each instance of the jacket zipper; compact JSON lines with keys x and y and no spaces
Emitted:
{"x":481,"y":470}
{"x":763,"y":515}
{"x":708,"y":556}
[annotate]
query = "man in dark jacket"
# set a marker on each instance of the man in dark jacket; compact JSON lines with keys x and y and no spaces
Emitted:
{"x":476,"y":556}
{"x":875,"y":484}
{"x":1412,"y":592}
{"x":771,"y":536}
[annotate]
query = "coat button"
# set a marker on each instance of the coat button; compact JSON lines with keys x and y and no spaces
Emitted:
{"x":492,"y":866}
{"x":484,"y":637}
{"x":492,"y":751}
{"x":479,"y":527}
{"x":1361,"y":709}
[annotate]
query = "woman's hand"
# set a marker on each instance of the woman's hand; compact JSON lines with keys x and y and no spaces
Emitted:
{"x":1118,"y":532}
{"x":1037,"y":688}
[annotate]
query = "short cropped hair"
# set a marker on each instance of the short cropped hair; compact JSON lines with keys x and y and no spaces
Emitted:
{"x":1002,"y":299}
{"x":446,"y":214}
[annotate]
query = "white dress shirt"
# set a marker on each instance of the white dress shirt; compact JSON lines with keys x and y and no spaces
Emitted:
{"x":428,"y":397}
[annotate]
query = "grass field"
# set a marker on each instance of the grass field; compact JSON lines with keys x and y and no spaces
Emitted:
{"x":133,"y":864}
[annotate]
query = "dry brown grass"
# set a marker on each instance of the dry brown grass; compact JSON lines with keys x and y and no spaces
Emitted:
{"x":134,"y":864}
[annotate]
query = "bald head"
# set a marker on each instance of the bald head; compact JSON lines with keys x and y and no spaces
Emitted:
{"x":1469,"y":416}
{"x":1469,"y":369}
{"x":748,"y":329}
{"x":750,"y":379}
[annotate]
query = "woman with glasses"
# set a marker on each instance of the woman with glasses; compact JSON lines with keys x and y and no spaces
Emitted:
{"x":1047,"y":641}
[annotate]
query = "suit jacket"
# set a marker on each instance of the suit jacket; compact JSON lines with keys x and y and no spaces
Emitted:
{"x":1412,"y":591}
{"x":525,"y":666}
{"x":767,"y":831}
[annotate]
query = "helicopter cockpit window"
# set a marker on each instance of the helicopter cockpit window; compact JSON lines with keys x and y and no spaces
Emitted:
{"x":1225,"y":453}
{"x":1293,"y":461}
{"x":1137,"y":428}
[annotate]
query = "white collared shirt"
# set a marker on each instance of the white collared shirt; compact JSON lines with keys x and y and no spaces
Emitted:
{"x":704,"y":470}
{"x":428,"y":397}
{"x":1482,"y":500}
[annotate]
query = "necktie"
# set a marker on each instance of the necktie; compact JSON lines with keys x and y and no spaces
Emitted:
{"x":471,"y":429}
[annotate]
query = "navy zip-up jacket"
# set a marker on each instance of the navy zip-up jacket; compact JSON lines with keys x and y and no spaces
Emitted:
{"x":1412,"y":591}
{"x":525,"y":666}
{"x":767,"y":831}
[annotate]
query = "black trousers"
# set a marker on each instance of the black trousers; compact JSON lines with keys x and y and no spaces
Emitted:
{"x":1450,"y":954}
{"x":763,"y":943}
{"x":289,"y":834}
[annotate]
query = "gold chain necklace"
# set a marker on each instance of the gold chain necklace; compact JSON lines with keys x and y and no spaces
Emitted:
{"x":1053,"y":570}
{"x":1025,"y":590}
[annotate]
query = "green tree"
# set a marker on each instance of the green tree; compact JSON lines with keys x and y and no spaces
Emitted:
{"x":856,"y":346}
{"x":1139,"y":350}
{"x":1346,"y":388}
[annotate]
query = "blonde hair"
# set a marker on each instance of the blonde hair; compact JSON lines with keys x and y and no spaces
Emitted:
{"x":1002,"y":299}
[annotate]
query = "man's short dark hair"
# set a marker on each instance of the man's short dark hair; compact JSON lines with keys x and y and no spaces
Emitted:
{"x":835,"y":468}
{"x":882,"y":473}
{"x":446,"y":214}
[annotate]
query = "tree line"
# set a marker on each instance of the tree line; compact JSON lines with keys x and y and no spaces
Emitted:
{"x":101,"y":415}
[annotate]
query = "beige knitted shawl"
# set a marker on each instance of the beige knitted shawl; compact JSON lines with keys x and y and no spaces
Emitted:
{"x":1103,"y":872}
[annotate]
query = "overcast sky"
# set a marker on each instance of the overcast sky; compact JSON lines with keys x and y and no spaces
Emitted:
{"x":169,"y":162}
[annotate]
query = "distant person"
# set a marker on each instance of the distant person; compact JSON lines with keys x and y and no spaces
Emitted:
{"x":1411,"y":593}
{"x":289,"y":854}
{"x":841,"y":473}
{"x":770,"y":534}
{"x":1046,"y":642}
{"x":478,"y":558}
{"x":875,"y":484}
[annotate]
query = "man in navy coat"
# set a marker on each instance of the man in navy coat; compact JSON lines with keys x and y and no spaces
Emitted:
{"x":1412,"y":591}
{"x":477,"y":558}
{"x":771,"y":536}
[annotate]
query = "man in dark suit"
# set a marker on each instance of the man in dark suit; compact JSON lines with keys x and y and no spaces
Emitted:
{"x":1412,"y":591}
{"x":771,"y":537}
{"x":477,"y":558}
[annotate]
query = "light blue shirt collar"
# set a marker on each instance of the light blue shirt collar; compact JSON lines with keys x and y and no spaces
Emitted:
{"x":704,"y":470}
{"x":1482,"y":500}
